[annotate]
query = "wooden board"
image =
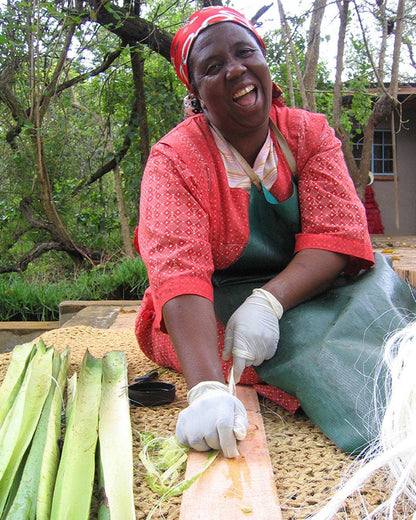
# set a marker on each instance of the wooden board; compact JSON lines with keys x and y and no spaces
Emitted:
{"x":408,"y":275}
{"x":240,"y":488}
{"x":101,"y":308}
{"x":404,"y":262}
{"x":28,"y":326}
{"x":126,"y":318}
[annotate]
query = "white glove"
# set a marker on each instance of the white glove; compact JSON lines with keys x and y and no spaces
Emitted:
{"x":214,"y":419}
{"x":252,"y":333}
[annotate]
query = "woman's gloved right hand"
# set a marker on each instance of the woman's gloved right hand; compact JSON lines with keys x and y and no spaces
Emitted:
{"x":214,"y":419}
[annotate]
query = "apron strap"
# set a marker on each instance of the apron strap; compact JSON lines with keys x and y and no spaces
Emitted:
{"x":287,"y":152}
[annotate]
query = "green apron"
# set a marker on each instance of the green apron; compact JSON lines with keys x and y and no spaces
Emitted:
{"x":330,"y":347}
{"x":269,"y":249}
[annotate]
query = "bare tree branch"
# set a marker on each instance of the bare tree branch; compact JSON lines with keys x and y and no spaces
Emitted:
{"x":49,"y":90}
{"x":369,"y":54}
{"x":22,"y":115}
{"x":117,"y":157}
{"x":105,"y":65}
{"x":255,"y":19}
{"x":37,"y":251}
{"x":342,"y":134}
{"x":137,"y":116}
{"x":38,"y":222}
{"x":131,"y":28}
{"x":289,"y":42}
{"x":35,"y":221}
{"x":410,"y":50}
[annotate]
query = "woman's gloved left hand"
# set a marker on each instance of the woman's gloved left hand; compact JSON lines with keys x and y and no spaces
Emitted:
{"x":252,"y":333}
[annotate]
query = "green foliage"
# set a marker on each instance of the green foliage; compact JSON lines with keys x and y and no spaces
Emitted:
{"x":361,"y":104}
{"x":279,"y":71}
{"x":73,"y":136}
{"x":35,"y":296}
{"x":360,"y":75}
{"x":164,"y":96}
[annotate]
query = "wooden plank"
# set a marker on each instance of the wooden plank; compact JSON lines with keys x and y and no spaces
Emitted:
{"x":240,"y":488}
{"x":408,"y":275}
{"x":126,"y":318}
{"x":23,"y":326}
{"x":403,"y":262}
{"x":80,"y":304}
{"x":69,"y":308}
{"x":14,"y":333}
{"x":98,"y":316}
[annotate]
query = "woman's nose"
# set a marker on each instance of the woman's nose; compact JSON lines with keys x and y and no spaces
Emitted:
{"x":235,"y":68}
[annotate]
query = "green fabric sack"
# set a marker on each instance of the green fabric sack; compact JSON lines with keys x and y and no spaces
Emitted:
{"x":330,"y":350}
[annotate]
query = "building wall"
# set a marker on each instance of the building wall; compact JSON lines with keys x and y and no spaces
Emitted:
{"x":406,"y":186}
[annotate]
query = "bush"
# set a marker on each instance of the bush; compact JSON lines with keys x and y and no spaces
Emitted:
{"x":24,"y":297}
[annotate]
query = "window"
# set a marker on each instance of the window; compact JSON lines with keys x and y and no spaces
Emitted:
{"x":382,"y":156}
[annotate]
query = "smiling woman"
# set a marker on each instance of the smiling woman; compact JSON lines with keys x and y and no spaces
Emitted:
{"x":253,"y":237}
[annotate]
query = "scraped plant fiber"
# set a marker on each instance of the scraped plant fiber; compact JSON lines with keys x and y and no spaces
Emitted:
{"x":307,"y":466}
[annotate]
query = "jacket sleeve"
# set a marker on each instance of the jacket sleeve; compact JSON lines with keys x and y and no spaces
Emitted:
{"x":333,"y":217}
{"x":173,"y":232}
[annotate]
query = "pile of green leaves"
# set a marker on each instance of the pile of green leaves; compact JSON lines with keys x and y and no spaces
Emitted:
{"x":38,"y":478}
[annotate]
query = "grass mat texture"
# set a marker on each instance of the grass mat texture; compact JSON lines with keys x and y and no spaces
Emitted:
{"x":307,"y":466}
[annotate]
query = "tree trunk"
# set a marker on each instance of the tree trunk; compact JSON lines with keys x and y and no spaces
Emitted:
{"x":41,"y":94}
{"x":137,"y":64}
{"x":124,"y":224}
{"x":286,"y":44}
{"x":384,"y":106}
{"x":285,"y":30}
{"x":55,"y":227}
{"x":343,"y":136}
{"x":383,"y":45}
{"x":343,"y":8}
{"x":394,"y":81}
{"x":312,"y":52}
{"x":292,"y":101}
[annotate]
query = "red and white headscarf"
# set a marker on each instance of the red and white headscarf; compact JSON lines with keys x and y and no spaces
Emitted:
{"x":186,"y":36}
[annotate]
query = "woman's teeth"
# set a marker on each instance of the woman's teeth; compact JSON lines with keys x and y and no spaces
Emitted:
{"x":243,"y":92}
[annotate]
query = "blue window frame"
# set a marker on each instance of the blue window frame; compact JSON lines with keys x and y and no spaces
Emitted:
{"x":382,"y":156}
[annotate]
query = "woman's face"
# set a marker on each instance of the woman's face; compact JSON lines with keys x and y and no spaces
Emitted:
{"x":231,"y":79}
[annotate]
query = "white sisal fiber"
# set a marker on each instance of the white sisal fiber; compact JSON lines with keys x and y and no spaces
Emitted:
{"x":396,"y":447}
{"x":231,"y":382}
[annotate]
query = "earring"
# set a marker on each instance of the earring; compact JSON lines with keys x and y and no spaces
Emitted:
{"x":188,"y":105}
{"x":191,"y":105}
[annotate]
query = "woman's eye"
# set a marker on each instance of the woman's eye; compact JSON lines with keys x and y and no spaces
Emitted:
{"x":212,"y":69}
{"x":246,"y":52}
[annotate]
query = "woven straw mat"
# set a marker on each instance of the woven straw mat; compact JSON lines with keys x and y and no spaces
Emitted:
{"x":307,"y":466}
